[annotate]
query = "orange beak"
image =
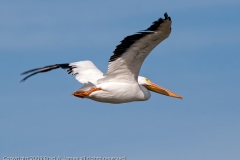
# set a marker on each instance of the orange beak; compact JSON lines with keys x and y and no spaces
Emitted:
{"x":155,"y":88}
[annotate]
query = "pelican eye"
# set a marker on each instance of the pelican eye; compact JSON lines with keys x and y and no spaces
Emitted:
{"x":148,"y":81}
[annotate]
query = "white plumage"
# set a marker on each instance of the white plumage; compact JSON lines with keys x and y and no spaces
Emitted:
{"x":121,"y":83}
{"x":86,"y":71}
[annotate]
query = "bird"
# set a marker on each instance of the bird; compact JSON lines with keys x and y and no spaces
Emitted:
{"x":121,"y":83}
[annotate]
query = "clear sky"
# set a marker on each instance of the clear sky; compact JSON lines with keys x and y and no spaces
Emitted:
{"x":200,"y":60}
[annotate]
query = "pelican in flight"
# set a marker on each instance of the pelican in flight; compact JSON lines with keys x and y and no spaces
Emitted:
{"x":121,"y":83}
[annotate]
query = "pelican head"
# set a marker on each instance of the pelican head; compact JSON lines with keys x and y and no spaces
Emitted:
{"x":155,"y":88}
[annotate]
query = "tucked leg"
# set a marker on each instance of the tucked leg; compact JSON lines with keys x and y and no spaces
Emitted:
{"x":83,"y":94}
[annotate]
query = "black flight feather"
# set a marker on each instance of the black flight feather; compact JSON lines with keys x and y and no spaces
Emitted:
{"x":128,"y":41}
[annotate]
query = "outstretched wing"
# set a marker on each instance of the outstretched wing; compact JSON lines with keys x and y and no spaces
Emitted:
{"x":85,"y":71}
{"x":125,"y":63}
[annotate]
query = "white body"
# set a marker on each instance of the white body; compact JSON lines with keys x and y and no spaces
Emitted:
{"x":114,"y":92}
{"x":111,"y":92}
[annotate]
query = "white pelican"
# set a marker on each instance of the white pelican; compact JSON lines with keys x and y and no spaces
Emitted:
{"x":121,"y":83}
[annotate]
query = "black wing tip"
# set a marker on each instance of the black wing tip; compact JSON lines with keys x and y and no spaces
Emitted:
{"x":23,"y":80}
{"x":129,"y":40}
{"x":157,"y":23}
{"x":44,"y":69}
{"x":166,"y":16}
{"x":26,"y":72}
{"x":29,"y":71}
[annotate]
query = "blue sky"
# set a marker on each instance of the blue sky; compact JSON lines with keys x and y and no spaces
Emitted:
{"x":200,"y":61}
